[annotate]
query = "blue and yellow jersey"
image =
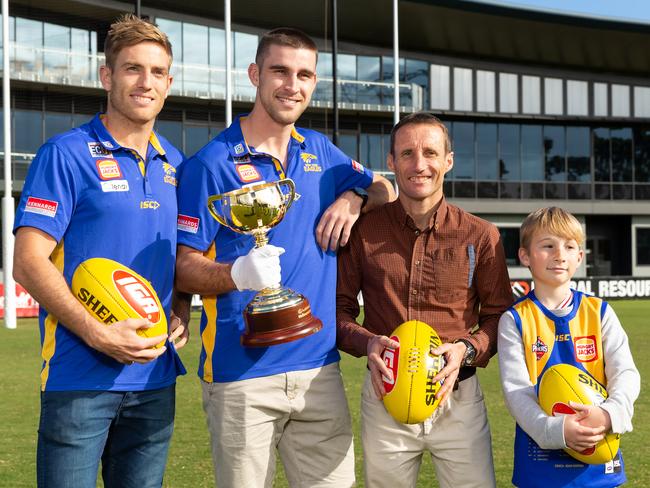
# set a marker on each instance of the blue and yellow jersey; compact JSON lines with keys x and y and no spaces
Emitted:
{"x":321,"y":173}
{"x":548,"y":340}
{"x":99,"y":199}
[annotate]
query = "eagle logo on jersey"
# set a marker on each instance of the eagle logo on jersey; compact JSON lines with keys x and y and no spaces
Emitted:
{"x":170,"y":174}
{"x":309,"y":166}
{"x":539,"y":348}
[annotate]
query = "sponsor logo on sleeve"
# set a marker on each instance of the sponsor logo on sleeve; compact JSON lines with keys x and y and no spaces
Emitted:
{"x":188,"y":224}
{"x":585,"y":348}
{"x":539,"y":348}
{"x":248,"y":173}
{"x":41,"y":206}
{"x":97,"y":150}
{"x":108,"y":169}
{"x":114,"y":185}
{"x":358,"y":167}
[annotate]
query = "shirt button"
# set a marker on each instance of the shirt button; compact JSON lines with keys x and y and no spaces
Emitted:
{"x":417,"y":263}
{"x":415,"y":292}
{"x":417,"y":232}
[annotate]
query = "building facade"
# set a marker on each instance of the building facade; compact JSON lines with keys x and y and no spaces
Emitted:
{"x":543,"y":109}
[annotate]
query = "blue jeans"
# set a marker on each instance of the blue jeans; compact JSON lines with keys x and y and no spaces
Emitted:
{"x":128,"y":431}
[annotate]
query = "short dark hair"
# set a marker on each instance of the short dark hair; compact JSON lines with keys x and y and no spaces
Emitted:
{"x":422,"y":117}
{"x":129,"y":30}
{"x":284,"y":36}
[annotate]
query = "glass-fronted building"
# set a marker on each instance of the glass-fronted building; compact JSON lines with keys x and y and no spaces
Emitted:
{"x":543,"y":108}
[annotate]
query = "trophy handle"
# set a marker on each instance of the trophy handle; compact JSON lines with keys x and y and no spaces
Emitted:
{"x":216,"y":216}
{"x":291,"y":196}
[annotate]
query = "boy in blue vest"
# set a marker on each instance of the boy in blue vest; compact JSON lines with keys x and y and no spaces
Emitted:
{"x":532,"y":338}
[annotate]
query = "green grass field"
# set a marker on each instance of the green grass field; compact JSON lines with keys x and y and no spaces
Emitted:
{"x":189,"y":460}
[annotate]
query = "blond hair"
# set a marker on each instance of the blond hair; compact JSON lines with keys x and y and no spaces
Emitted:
{"x":553,"y":220}
{"x":129,"y":30}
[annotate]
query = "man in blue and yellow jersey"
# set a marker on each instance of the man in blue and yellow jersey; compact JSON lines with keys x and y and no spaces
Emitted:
{"x":106,"y":189}
{"x":554,"y":324}
{"x":288,"y":396}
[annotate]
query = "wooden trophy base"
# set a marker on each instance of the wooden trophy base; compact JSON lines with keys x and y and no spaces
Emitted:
{"x":276,"y":316}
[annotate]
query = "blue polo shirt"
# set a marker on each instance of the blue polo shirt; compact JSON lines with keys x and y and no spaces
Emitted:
{"x":321,"y":173}
{"x":98,"y":199}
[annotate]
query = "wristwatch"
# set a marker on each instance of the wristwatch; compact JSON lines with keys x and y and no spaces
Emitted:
{"x":470,"y":352}
{"x":361,"y":192}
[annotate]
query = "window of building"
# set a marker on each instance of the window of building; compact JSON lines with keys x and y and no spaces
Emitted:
{"x":600,"y":100}
{"x":508,"y":93}
{"x":439,"y":93}
{"x":387,"y":73}
{"x":621,"y":154}
{"x":195,"y":44}
{"x":642,"y":154}
{"x":510,"y":240}
{"x":29,"y":40}
{"x":244,"y":49}
{"x":486,"y":152}
{"x":417,"y":72}
{"x":55,"y":123}
{"x":531,"y":94}
{"x":553,"y":96}
{"x":509,"y":152}
{"x":577,"y":97}
{"x":368,"y":69}
{"x":642,"y":101}
{"x":348,"y":144}
{"x":578,"y":153}
{"x":601,"y":150}
{"x":80,"y":61}
{"x":172,"y":131}
{"x":174,"y":31}
{"x":196,"y":136}
{"x":643,"y":246}
{"x":620,"y":100}
{"x":463,"y":98}
{"x":370,"y":151}
{"x":56,"y":39}
{"x":28,"y":131}
{"x":532,"y":153}
{"x":554,"y":153}
{"x":485,"y":91}
{"x":463,"y":137}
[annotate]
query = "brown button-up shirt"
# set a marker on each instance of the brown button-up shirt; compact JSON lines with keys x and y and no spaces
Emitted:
{"x":452,"y":276}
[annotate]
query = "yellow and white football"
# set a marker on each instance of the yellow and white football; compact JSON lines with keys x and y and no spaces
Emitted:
{"x":563,"y":383}
{"x":410,"y":396}
{"x":112,"y":292}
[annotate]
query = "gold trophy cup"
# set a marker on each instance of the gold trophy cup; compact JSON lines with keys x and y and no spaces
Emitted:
{"x":276,"y":314}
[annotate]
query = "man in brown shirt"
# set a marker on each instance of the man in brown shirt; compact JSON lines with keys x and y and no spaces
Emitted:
{"x":421,"y":258}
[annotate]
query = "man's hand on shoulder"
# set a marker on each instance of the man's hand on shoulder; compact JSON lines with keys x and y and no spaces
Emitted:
{"x":335,"y":225}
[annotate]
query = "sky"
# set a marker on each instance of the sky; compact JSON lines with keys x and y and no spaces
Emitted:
{"x":631,"y":10}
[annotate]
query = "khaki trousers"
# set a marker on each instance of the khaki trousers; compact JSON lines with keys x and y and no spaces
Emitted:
{"x":458,"y":439}
{"x":304,"y":414}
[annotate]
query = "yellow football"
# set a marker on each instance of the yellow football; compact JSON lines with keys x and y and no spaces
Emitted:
{"x":112,"y":292}
{"x":563,"y":383}
{"x":410,"y":396}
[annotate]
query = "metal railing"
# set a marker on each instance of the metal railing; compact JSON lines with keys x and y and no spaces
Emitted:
{"x":64,"y":67}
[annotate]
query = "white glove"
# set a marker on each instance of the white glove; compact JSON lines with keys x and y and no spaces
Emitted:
{"x":259,"y":269}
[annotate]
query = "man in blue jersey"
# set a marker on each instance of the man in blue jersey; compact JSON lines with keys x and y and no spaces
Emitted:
{"x":106,"y":189}
{"x":288,"y":396}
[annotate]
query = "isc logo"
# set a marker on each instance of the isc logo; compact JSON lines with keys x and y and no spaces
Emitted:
{"x":137,"y":294}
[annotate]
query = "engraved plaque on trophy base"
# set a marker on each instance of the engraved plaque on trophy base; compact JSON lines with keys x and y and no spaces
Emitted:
{"x":276,"y":316}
